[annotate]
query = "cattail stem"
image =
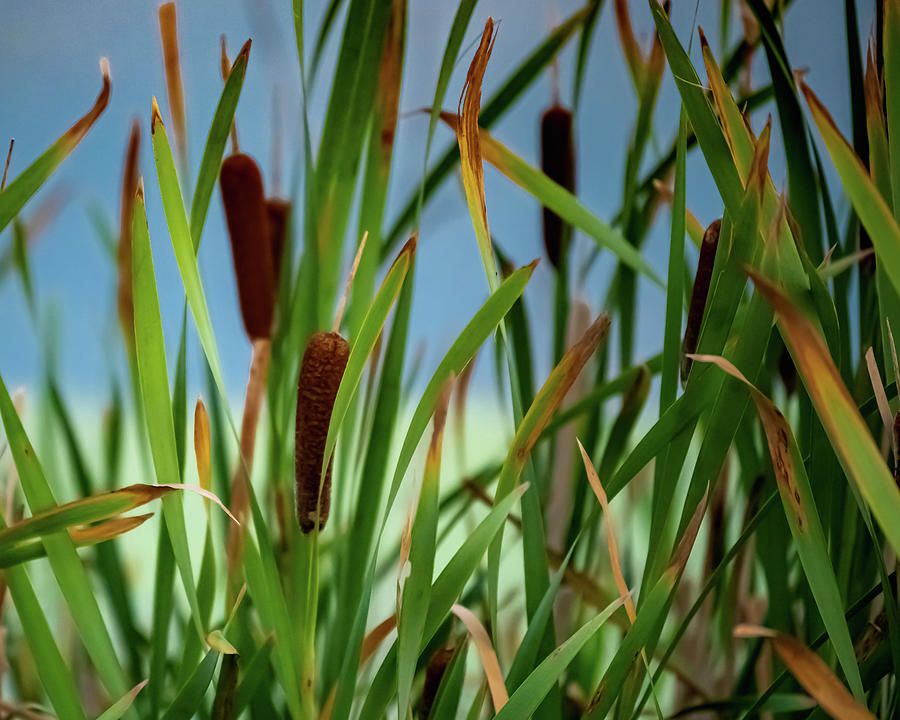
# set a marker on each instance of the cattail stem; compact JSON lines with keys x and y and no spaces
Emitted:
{"x":240,"y":493}
{"x":699,"y":294}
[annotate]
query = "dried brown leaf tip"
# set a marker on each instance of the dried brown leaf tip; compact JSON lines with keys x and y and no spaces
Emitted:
{"x":320,"y":376}
{"x":558,"y":163}
{"x":699,"y":294}
{"x":247,"y":218}
{"x":124,"y":297}
{"x":168,"y":30}
{"x":75,"y":133}
{"x":468,"y":110}
{"x":12,"y":142}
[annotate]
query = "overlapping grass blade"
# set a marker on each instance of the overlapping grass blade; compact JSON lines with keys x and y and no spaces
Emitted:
{"x":66,"y":565}
{"x":122,"y":705}
{"x":846,"y":430}
{"x":183,"y":245}
{"x":864,"y":195}
{"x":364,"y":342}
{"x":558,"y":199}
{"x":417,"y":586}
{"x":151,"y":361}
{"x":211,"y":161}
{"x":516,"y":84}
{"x":445,"y":590}
{"x":56,"y":678}
{"x":803,"y":519}
{"x":535,"y":687}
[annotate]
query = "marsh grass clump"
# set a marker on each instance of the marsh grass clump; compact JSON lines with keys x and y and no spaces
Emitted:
{"x":751,"y":570}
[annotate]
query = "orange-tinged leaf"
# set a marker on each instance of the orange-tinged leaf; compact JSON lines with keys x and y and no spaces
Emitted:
{"x":879,"y":157}
{"x":867,"y":201}
{"x":108,"y":529}
{"x":468,"y":138}
{"x":811,"y":672}
{"x":375,"y":638}
{"x":489,"y":662}
{"x":859,"y":456}
{"x":803,"y":520}
{"x":202,"y":443}
{"x":611,"y":543}
{"x":634,"y":58}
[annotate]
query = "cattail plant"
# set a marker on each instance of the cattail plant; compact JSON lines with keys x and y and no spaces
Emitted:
{"x":558,"y":163}
{"x":698,"y":295}
{"x":248,"y":228}
{"x":789,"y":480}
{"x":277,"y":212}
{"x":320,"y":376}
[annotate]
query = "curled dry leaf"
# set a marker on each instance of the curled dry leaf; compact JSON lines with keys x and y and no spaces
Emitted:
{"x":482,"y":641}
{"x":811,"y":672}
{"x":611,"y":542}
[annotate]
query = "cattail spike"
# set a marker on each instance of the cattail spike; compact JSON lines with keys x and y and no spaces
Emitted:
{"x":558,"y":163}
{"x":320,"y":376}
{"x":434,"y":673}
{"x":247,"y":219}
{"x":278,"y":212}
{"x":698,"y":297}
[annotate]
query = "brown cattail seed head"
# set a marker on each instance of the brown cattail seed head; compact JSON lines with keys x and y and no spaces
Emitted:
{"x":558,"y":163}
{"x":896,"y":439}
{"x":278,"y":211}
{"x":698,"y":296}
{"x":320,"y":376}
{"x":248,"y":227}
{"x":434,"y":673}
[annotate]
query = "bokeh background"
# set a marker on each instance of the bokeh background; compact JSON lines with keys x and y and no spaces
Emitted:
{"x":49,"y":76}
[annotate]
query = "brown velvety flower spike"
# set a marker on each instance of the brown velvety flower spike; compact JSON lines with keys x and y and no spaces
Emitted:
{"x":698,"y":296}
{"x":278,"y":211}
{"x":248,"y":227}
{"x":558,"y":163}
{"x":434,"y":673}
{"x":320,"y":376}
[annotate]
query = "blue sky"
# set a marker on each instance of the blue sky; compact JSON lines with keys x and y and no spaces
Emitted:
{"x":49,"y":76}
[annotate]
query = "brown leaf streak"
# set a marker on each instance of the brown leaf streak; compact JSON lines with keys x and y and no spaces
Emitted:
{"x":469,"y":108}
